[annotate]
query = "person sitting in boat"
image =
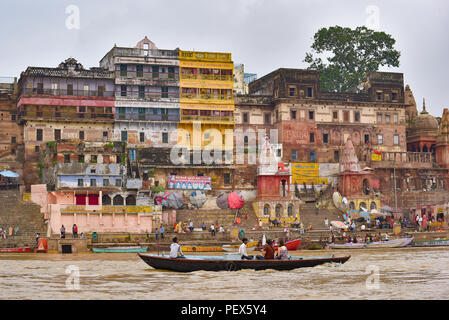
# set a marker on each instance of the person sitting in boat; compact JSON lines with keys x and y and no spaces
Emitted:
{"x":354,"y":240}
{"x":242,"y":250}
{"x":268,"y":251}
{"x":282,"y":253}
{"x":175,"y":249}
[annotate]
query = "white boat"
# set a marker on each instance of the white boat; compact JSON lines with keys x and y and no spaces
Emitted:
{"x":347,"y":245}
{"x":402,"y":242}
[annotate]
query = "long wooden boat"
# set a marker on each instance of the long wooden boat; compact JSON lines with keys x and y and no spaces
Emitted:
{"x":401,"y":242}
{"x":233,"y":262}
{"x":120,"y":250}
{"x":201,"y":249}
{"x":430,"y":243}
{"x":15,"y":250}
{"x":235,"y":247}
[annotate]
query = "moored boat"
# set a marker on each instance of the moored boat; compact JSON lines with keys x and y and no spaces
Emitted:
{"x":233,"y":262}
{"x":430,"y":243}
{"x":347,"y":245}
{"x":135,"y":249}
{"x":15,"y":250}
{"x":290,"y":245}
{"x":401,"y":242}
{"x":235,"y":247}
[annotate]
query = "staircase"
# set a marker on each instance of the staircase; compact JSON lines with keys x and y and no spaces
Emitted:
{"x":16,"y":213}
{"x":224,"y":217}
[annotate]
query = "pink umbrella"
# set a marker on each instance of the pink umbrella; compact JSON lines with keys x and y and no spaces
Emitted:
{"x":235,"y":201}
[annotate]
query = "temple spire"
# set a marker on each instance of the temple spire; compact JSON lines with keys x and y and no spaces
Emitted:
{"x":424,"y":111}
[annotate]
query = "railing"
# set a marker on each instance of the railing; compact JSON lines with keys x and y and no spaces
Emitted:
{"x":207,"y":118}
{"x":147,"y":95}
{"x":65,"y":115}
{"x":400,"y":156}
{"x":218,"y":77}
{"x":65,"y":92}
{"x":136,"y":52}
{"x":147,"y":75}
{"x":207,"y":56}
{"x":206,"y":96}
{"x":147,"y":117}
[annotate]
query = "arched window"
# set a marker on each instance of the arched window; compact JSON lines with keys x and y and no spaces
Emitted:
{"x":362,"y":204}
{"x":267,"y":210}
{"x":278,"y":211}
{"x":365,"y":186}
{"x":118,"y":200}
{"x":290,"y":210}
{"x":106,"y":200}
{"x":373,"y":205}
{"x":424,"y":149}
{"x":352,"y":205}
{"x":131,"y":200}
{"x":283,"y":191}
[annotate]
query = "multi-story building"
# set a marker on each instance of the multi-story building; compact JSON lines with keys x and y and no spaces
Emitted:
{"x":207,"y":99}
{"x":67,"y":102}
{"x":146,"y":94}
{"x":11,"y":135}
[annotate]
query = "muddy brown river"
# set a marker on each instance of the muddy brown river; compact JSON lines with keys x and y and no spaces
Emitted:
{"x":402,"y":273}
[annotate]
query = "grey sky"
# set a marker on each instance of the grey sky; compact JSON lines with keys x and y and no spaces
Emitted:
{"x":262,"y":34}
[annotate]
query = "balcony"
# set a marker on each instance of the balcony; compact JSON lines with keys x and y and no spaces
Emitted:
{"x":147,"y":117}
{"x":65,"y":92}
{"x":136,"y":52}
{"x":154,"y":76}
{"x":66,"y":116}
{"x":170,"y":96}
{"x":208,"y":77}
{"x":205,"y":56}
{"x":209,"y":119}
{"x":196,"y":96}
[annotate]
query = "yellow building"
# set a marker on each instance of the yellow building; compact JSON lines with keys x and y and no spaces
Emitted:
{"x":206,"y":98}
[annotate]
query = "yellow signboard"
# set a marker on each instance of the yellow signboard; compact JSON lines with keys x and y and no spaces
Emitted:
{"x":376,"y":157}
{"x":307,"y":173}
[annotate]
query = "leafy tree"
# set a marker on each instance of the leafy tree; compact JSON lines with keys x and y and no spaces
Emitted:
{"x":350,"y":54}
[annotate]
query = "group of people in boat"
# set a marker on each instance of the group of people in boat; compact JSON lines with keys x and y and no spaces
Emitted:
{"x":347,"y":238}
{"x":268,"y":252}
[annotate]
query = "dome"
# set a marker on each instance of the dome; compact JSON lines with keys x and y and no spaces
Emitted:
{"x":424,"y":124}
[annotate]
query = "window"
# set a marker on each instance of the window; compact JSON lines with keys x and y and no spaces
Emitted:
{"x":293,"y":112}
{"x":123,"y":69}
{"x":336,"y":156}
{"x":81,"y":158}
{"x":379,"y":95}
{"x":346,"y":116}
{"x":312,"y":156}
{"x":70,"y":89}
{"x":245,"y":117}
{"x":93,"y":182}
{"x":227,"y":179}
{"x":396,"y":139}
{"x":395,"y":118}
{"x":387,"y":118}
{"x":139,"y":70}
{"x":81,"y":135}
{"x":325,"y":138}
{"x":123,"y":91}
{"x":141,"y":91}
{"x":93,"y":159}
{"x":394,"y":96}
{"x":200,"y":174}
{"x":164,"y":92}
{"x":291,"y":91}
{"x":335,"y":115}
{"x":93,"y":170}
{"x":294,"y":154}
{"x":36,"y":149}
{"x":101,"y":90}
{"x":13,"y":140}
{"x":124,"y":136}
{"x":366,"y":138}
{"x":67,"y":158}
{"x":105,"y":182}
{"x":311,"y":115}
{"x":311,"y":137}
{"x":309,"y":92}
{"x":279,"y":153}
{"x":379,"y":139}
{"x":57,"y":134}
{"x":80,"y":182}
{"x":379,"y":118}
{"x":267,"y":118}
{"x":39,"y":134}
{"x":13,"y":117}
{"x":142,"y":137}
{"x":105,"y":136}
{"x":86,"y":89}
{"x":356,"y":116}
{"x":164,"y":137}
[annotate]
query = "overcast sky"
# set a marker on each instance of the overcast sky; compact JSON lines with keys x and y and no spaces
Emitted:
{"x":262,"y":34}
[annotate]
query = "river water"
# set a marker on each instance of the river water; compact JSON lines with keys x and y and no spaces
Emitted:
{"x":402,"y":273}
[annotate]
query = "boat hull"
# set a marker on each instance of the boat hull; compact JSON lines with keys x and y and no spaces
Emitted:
{"x":190,"y":265}
{"x":15,"y":250}
{"x":119,"y":250}
{"x":431,"y":243}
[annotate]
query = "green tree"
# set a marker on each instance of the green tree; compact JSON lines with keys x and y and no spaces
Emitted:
{"x":344,"y":56}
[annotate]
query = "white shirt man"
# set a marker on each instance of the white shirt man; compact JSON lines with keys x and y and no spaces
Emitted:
{"x":326,"y":222}
{"x":242,"y":250}
{"x":175,"y":248}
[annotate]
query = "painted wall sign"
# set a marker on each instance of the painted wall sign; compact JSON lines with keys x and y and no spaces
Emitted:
{"x":189,"y":182}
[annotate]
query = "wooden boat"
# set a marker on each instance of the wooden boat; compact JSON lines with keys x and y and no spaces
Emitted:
{"x":401,"y":242}
{"x":347,"y":245}
{"x":120,"y":249}
{"x":235,"y":247}
{"x":201,"y":249}
{"x":15,"y":250}
{"x":430,"y":243}
{"x":233,"y":262}
{"x":290,"y":245}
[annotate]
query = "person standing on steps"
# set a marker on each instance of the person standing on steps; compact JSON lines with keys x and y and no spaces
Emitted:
{"x":62,"y":232}
{"x":162,"y":231}
{"x":156,"y":234}
{"x":75,"y":231}
{"x":317,"y":207}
